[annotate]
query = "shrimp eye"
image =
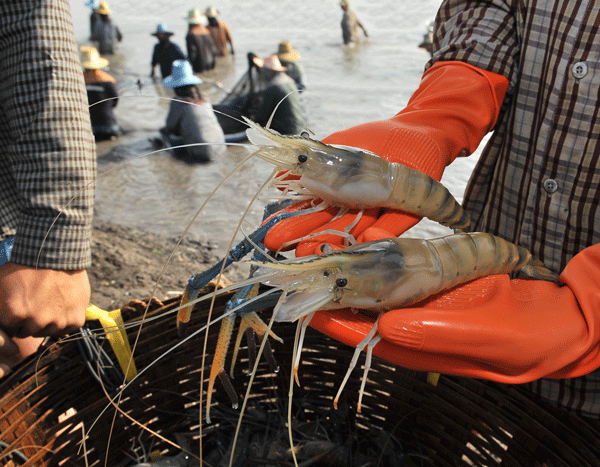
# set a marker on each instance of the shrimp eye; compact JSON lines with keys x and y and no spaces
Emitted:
{"x":302,"y":158}
{"x":341,"y":282}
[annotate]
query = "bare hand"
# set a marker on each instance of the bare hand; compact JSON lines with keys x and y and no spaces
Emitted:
{"x":12,"y":351}
{"x":42,"y":302}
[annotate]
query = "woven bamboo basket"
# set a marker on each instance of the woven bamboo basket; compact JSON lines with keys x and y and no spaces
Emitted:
{"x":405,"y":421}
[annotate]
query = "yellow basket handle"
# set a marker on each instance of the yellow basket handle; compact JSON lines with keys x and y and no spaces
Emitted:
{"x":113,"y":325}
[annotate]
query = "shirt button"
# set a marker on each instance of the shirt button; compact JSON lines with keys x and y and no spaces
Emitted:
{"x":550,"y":185}
{"x":579,"y":70}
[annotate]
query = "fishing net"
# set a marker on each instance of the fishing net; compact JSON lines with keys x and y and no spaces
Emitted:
{"x":240,"y":101}
{"x":54,"y":409}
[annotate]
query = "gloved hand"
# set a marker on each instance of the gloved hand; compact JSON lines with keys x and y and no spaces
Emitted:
{"x":511,"y":331}
{"x":455,"y":106}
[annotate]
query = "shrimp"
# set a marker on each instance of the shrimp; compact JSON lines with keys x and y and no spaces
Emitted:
{"x":355,"y":178}
{"x":388,"y":274}
{"x":351,"y":161}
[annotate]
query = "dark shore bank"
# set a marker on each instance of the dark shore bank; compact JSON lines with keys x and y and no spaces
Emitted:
{"x":128,"y":264}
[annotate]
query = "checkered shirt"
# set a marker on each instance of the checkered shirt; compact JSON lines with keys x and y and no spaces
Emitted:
{"x":537,"y":182}
{"x":48,"y":159}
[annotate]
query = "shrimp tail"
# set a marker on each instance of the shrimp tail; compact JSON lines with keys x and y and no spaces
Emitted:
{"x":420,"y":194}
{"x":535,"y":269}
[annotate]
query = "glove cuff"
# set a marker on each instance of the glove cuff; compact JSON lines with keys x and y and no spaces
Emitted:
{"x":455,"y":106}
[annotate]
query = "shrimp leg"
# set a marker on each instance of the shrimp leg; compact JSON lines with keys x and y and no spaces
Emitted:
{"x":359,"y":348}
{"x":250,"y":319}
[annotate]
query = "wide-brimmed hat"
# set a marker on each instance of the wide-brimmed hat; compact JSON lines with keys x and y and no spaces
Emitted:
{"x":103,"y":9}
{"x":91,"y":59}
{"x":286,"y":52}
{"x":181,"y":75}
{"x":162,"y":28}
{"x":211,"y":12}
{"x":194,"y":16}
{"x":272,"y":63}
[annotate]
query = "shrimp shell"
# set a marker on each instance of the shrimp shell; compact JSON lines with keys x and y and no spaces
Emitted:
{"x":355,"y":178}
{"x":393,"y":273}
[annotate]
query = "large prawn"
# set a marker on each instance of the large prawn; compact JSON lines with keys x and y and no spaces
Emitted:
{"x":380,"y":276}
{"x":355,"y":178}
{"x":389,"y":274}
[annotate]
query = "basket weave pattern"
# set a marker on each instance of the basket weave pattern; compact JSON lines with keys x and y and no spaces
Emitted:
{"x":460,"y":422}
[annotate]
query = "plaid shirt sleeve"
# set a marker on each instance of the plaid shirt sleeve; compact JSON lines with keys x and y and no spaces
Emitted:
{"x":537,"y":180}
{"x":48,"y":161}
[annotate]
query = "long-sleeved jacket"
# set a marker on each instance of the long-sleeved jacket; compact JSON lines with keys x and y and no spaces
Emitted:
{"x":164,"y":54}
{"x":48,"y":161}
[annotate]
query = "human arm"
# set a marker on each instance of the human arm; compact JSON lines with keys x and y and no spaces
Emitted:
{"x":48,"y":172}
{"x":363,"y":29}
{"x":495,"y":328}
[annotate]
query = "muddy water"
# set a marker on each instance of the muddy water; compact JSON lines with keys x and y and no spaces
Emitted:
{"x":155,"y":192}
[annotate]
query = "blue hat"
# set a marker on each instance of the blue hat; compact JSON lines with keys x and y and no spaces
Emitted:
{"x":162,"y":28}
{"x":95,"y":4}
{"x":181,"y":75}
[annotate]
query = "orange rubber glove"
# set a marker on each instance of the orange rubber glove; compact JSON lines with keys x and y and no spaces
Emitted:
{"x":511,"y":331}
{"x":454,"y":107}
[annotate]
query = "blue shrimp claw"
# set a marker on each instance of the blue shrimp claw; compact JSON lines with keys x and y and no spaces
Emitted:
{"x":198,"y":281}
{"x":248,"y":313}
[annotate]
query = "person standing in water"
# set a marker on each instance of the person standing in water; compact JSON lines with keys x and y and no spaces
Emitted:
{"x":191,"y":118}
{"x":278,"y":100}
{"x":102,"y":94}
{"x":165,"y":52}
{"x":105,"y":31}
{"x":200,"y":45}
{"x":290,"y":59}
{"x":94,"y":16}
{"x":350,"y":25}
{"x":220,"y":32}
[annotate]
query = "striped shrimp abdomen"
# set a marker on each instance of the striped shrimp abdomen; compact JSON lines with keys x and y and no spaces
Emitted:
{"x":418,"y":193}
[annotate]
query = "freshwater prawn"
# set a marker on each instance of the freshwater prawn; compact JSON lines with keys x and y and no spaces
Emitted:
{"x":354,"y":178}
